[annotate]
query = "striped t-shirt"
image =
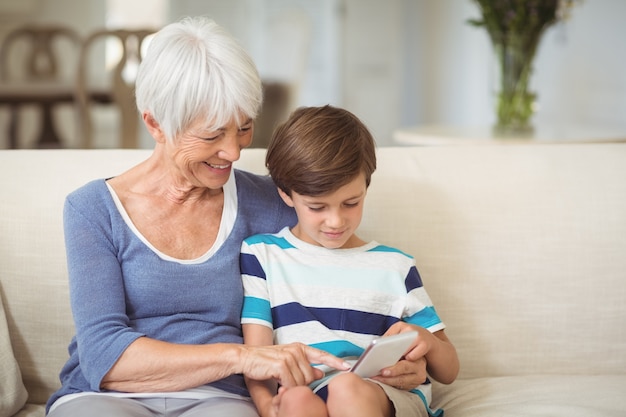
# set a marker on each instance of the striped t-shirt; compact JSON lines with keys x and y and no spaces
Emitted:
{"x":337,"y":300}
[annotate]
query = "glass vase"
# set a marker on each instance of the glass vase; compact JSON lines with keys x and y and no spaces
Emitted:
{"x":515,"y":103}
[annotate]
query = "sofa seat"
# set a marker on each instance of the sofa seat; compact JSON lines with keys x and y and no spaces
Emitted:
{"x":534,"y":396}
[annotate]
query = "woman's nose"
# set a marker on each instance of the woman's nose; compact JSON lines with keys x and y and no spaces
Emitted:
{"x":231,"y":147}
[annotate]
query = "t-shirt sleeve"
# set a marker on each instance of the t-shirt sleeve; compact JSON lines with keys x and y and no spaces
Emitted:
{"x":256,"y":303}
{"x":419,"y":309}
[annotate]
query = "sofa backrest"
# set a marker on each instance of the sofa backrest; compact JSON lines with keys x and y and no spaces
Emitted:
{"x":521,"y":248}
{"x":33,"y":270}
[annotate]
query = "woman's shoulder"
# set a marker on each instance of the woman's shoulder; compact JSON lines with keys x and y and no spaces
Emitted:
{"x":258,"y":189}
{"x":91,"y":202}
{"x":90,"y":190}
{"x":258,"y":201}
{"x":91,"y":196}
{"x":249,"y":179}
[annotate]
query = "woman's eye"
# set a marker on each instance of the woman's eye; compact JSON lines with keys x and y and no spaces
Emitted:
{"x":208,"y":136}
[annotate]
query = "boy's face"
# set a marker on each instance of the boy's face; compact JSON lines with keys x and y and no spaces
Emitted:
{"x":332,"y":219}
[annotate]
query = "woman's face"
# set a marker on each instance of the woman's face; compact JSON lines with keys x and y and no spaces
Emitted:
{"x":204,"y":156}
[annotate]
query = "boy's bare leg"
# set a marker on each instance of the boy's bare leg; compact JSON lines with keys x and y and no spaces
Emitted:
{"x":301,"y":402}
{"x":350,"y":395}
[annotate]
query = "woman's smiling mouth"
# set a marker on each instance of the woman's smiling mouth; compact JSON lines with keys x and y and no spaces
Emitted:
{"x":216,"y":166}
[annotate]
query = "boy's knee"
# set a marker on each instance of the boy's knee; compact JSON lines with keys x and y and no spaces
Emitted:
{"x":301,"y":393}
{"x":296,"y":399}
{"x":347,"y":385}
{"x":345,"y":388}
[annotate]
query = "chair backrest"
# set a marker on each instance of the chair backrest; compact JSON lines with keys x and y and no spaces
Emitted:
{"x":38,"y":52}
{"x":115,"y":81}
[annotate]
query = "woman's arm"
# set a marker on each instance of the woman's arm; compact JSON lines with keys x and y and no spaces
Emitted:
{"x":149,"y":365}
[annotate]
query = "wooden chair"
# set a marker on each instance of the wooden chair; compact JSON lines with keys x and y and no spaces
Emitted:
{"x":110,"y":86}
{"x":37,"y":63}
{"x":39,"y":52}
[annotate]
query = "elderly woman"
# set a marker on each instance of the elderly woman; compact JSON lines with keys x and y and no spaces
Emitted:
{"x":152,"y":253}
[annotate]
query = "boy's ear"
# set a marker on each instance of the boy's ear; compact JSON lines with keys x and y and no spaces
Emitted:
{"x":286,"y":198}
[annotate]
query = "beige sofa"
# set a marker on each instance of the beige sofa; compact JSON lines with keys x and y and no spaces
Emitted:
{"x":522,"y":248}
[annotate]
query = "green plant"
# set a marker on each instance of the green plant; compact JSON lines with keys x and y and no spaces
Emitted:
{"x":515,"y":28}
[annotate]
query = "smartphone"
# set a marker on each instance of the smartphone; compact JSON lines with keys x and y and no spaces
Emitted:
{"x":383,"y":352}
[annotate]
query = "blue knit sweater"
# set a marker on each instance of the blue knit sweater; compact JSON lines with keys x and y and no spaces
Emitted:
{"x":121,"y":290}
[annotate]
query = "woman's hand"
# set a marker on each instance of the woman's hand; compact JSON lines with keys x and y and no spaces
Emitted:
{"x":289,"y":365}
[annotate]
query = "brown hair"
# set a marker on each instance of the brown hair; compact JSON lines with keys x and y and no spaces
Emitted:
{"x":320,"y":149}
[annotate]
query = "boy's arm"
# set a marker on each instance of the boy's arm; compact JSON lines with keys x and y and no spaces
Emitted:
{"x":442,"y":362}
{"x":262,"y":392}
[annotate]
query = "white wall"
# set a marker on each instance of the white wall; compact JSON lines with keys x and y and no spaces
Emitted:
{"x":406,"y":62}
{"x":581,"y":67}
{"x":373,"y":60}
{"x":579,"y":72}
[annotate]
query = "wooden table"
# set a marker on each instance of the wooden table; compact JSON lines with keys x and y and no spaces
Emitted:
{"x":46,"y":96}
{"x":435,"y":135}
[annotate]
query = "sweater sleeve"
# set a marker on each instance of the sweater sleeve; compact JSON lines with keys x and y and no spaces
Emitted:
{"x":96,"y":286}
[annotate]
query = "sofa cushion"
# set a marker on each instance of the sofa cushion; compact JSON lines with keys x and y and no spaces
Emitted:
{"x":13,"y":394}
{"x":533,"y":396}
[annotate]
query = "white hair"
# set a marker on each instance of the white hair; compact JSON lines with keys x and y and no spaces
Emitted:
{"x":195,"y":71}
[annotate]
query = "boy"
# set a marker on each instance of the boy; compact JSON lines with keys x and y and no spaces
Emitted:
{"x":318,"y":283}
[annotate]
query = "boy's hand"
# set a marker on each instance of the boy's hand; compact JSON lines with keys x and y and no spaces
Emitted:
{"x":434,"y":349}
{"x":405,"y":374}
{"x":409,"y":372}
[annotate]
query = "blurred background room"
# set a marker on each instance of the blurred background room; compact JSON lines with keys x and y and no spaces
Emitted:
{"x":397,"y":64}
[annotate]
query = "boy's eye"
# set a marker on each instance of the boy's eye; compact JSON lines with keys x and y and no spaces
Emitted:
{"x":315,"y":208}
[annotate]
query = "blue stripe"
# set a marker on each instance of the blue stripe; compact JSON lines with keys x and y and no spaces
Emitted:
{"x":413,"y":280}
{"x":426,"y":317}
{"x":438,"y":412}
{"x":281,"y":242}
{"x":339,"y":348}
{"x":383,"y":248}
{"x":256,"y":308}
{"x":250,"y":265}
{"x":323,"y":393}
{"x":333,"y":318}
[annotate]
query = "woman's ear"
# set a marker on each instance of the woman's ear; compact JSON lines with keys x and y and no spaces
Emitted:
{"x":153,"y":127}
{"x":286,"y":198}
